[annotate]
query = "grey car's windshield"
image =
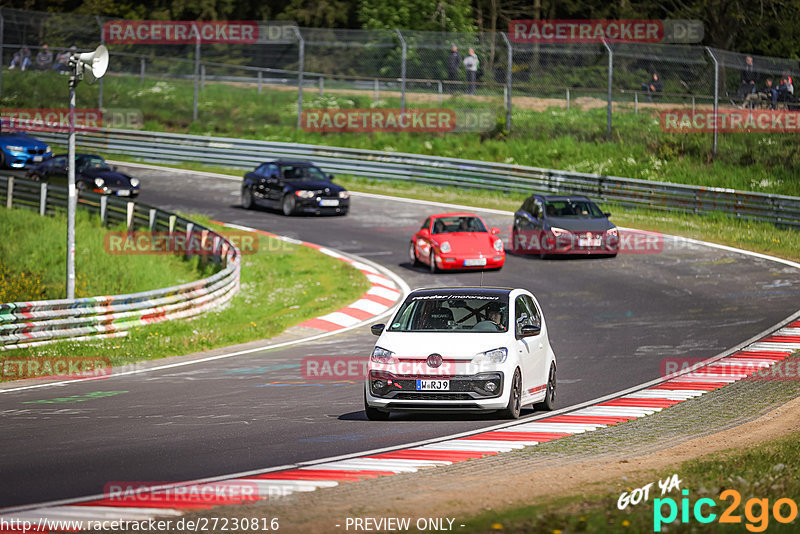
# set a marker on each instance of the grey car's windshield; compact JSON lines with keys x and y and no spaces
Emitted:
{"x":302,"y":173}
{"x":458,"y":223}
{"x":585,"y":209}
{"x":453,"y":313}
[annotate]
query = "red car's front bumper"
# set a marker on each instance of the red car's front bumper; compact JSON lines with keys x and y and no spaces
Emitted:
{"x":453,"y":263}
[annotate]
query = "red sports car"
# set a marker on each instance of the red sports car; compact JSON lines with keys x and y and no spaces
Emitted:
{"x":451,"y":241}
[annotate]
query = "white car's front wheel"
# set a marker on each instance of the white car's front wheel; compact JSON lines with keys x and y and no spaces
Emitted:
{"x":374,"y":414}
{"x":514,"y":406}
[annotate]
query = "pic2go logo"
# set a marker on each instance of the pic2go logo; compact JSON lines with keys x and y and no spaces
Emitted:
{"x":756,"y":511}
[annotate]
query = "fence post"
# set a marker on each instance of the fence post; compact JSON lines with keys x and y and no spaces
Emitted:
{"x":321,"y":86}
{"x":2,"y":43}
{"x":142,"y":63}
{"x":100,"y":81}
{"x":202,"y":77}
{"x":610,"y":80}
{"x":716,"y":97}
{"x":567,"y":97}
{"x":377,"y":89}
{"x":172,"y":224}
{"x":43,"y":199}
{"x":152,"y":221}
{"x":508,"y":79}
{"x":103,"y":209}
{"x":196,"y":77}
{"x":439,"y":84}
{"x":129,"y":218}
{"x":636,"y":102}
{"x":10,"y":191}
{"x":301,"y":52}
{"x":402,"y":70}
{"x":260,"y":78}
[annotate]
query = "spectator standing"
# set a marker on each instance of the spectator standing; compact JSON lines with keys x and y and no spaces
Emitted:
{"x":785,"y":89}
{"x":654,"y":87}
{"x":453,"y":64}
{"x":471,"y":67}
{"x":21,"y":59}
{"x":44,"y":59}
{"x":748,"y":76}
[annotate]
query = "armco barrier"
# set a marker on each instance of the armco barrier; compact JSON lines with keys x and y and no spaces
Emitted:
{"x":25,"y":324}
{"x":243,"y":153}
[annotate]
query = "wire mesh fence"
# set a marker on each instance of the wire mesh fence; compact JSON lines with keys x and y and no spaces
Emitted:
{"x":478,"y":78}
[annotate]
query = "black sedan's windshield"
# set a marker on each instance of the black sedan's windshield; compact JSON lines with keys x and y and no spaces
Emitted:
{"x":92,"y":162}
{"x":585,"y":209}
{"x":444,"y":313}
{"x":302,"y":173}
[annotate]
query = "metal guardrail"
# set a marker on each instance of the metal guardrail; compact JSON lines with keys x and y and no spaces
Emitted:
{"x":627,"y":192}
{"x":25,"y":324}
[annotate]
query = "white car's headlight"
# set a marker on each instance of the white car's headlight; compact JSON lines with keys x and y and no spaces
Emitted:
{"x":491,"y":356}
{"x":445,"y":246}
{"x":558,"y":232}
{"x":304,"y":194}
{"x":498,"y":245}
{"x":381,"y":355}
{"x":98,"y":182}
{"x":134,"y":182}
{"x":344,"y":194}
{"x":15,"y":148}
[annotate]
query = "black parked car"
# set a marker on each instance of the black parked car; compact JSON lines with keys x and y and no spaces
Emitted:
{"x":560,"y":224}
{"x":92,"y":173}
{"x":294,"y":187}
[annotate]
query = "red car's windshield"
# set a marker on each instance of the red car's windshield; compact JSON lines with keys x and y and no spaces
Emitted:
{"x":458,"y":223}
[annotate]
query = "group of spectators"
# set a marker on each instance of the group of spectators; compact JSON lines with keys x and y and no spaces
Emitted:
{"x":770,"y":94}
{"x":470,"y":63}
{"x":44,"y":59}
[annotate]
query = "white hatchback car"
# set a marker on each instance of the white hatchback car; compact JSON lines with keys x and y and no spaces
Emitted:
{"x":462,"y":349}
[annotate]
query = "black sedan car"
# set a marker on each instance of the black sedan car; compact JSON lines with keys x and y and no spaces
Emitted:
{"x":92,"y":173}
{"x":294,"y":187}
{"x":559,"y":224}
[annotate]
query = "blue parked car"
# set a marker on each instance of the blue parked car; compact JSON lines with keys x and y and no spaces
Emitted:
{"x":19,"y":150}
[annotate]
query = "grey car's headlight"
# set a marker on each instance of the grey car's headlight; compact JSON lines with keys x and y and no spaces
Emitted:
{"x":558,"y":232}
{"x":344,"y":194}
{"x":498,"y":355}
{"x":381,"y":355}
{"x":304,"y":194}
{"x":99,"y":182}
{"x":134,"y":182}
{"x":15,"y":148}
{"x":613,"y":232}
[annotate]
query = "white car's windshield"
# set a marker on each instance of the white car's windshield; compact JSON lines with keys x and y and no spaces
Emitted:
{"x":453,"y":313}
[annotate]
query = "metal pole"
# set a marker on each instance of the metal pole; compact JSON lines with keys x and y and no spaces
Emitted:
{"x":439,"y":82}
{"x":508,"y":79}
{"x":402,"y":70}
{"x":196,"y":77}
{"x":716,"y":97}
{"x":567,"y":97}
{"x":142,"y":66}
{"x":72,"y":197}
{"x":202,"y":77}
{"x":2,"y":42}
{"x":321,"y":86}
{"x":100,"y":82}
{"x":636,"y":102}
{"x":376,"y":90}
{"x":610,"y":80}
{"x":301,"y":52}
{"x":259,"y":81}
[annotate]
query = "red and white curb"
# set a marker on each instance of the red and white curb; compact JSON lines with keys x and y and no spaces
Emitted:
{"x":753,"y":358}
{"x":382,"y":296}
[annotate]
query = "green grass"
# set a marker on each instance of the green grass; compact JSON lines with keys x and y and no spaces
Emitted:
{"x":281,"y":285}
{"x":555,"y":138}
{"x":768,"y":471}
{"x":33,"y":262}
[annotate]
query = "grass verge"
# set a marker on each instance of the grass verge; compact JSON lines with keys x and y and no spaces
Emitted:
{"x":554,"y":137}
{"x":281,"y":285}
